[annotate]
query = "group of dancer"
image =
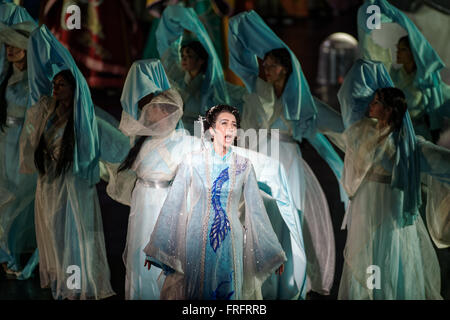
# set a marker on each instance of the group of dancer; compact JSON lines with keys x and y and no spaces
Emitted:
{"x":210,"y":216}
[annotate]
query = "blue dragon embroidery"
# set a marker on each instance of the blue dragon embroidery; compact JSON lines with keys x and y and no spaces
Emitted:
{"x":216,"y":295}
{"x":221,"y":224}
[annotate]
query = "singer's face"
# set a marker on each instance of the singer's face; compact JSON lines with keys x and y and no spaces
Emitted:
{"x":225,"y":129}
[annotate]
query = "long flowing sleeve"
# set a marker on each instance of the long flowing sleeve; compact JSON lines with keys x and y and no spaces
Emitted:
{"x":435,"y":161}
{"x":328,"y":120}
{"x":272,"y":179}
{"x":263,"y":253}
{"x":243,"y":61}
{"x":114,"y":145}
{"x":428,"y":63}
{"x":327,"y":152}
{"x":35,"y":120}
{"x":438,"y":212}
{"x":168,"y":239}
{"x":46,"y":56}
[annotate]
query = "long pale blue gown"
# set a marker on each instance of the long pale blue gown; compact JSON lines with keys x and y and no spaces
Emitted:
{"x":294,"y":115}
{"x":142,"y":187}
{"x":69,"y":229}
{"x":154,"y":173}
{"x":206,"y":248}
{"x":16,"y":189}
{"x":388,"y":253}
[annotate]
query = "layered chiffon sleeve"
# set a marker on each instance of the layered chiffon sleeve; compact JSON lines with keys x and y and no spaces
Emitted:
{"x":263,"y":253}
{"x":435,"y":162}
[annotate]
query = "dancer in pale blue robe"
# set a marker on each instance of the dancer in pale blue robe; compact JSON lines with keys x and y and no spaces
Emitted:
{"x":17,"y":190}
{"x":204,"y":86}
{"x":293,"y":112}
{"x":207,"y":250}
{"x":388,"y":253}
{"x":143,"y":179}
{"x":69,"y":227}
{"x":419,"y":74}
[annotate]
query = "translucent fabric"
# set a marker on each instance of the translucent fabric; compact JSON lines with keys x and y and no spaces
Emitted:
{"x":175,"y":19}
{"x":206,"y":89}
{"x":358,"y":89}
{"x":69,"y":228}
{"x":438,"y":212}
{"x":144,"y":186}
{"x":320,"y":253}
{"x":156,"y":163}
{"x":263,"y":111}
{"x":11,"y":14}
{"x":168,"y":103}
{"x":435,"y":161}
{"x":17,"y":233}
{"x":11,"y":36}
{"x":236,"y":253}
{"x":144,"y":77}
{"x":47,"y":57}
{"x":312,"y":207}
{"x":424,"y":91}
{"x":286,"y":221}
{"x":16,"y":206}
{"x":250,"y":38}
{"x":388,"y":252}
{"x":431,"y":21}
{"x":404,"y":260}
{"x":120,"y":184}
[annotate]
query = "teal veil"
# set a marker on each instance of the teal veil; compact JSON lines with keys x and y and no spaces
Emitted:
{"x":242,"y":38}
{"x":47,"y":57}
{"x":358,"y":89}
{"x":249,"y":39}
{"x":428,"y":62}
{"x":175,"y":20}
{"x":11,"y":14}
{"x":144,"y":77}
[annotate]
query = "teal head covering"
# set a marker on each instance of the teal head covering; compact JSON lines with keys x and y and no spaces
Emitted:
{"x":10,"y":15}
{"x":46,"y":58}
{"x":145,"y":77}
{"x":358,"y":89}
{"x":257,"y":39}
{"x":428,"y":62}
{"x":175,"y":20}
